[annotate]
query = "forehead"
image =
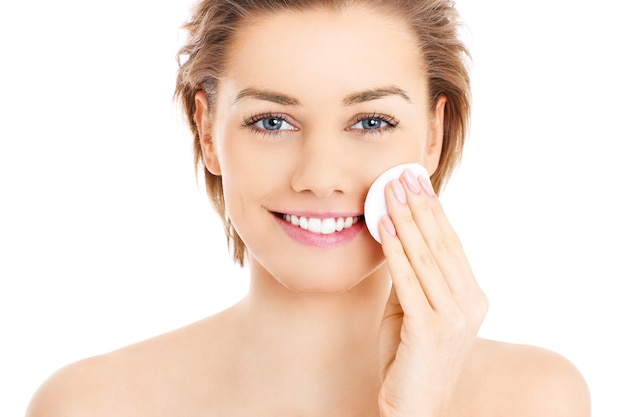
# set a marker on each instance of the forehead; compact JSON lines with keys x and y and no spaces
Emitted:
{"x":347,"y":49}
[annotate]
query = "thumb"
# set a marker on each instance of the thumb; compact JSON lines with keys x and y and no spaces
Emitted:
{"x":389,"y":335}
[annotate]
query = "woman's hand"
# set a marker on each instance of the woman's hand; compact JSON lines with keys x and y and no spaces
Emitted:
{"x":435,"y":307}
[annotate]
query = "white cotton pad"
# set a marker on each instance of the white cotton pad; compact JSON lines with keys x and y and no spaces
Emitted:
{"x":375,"y":205}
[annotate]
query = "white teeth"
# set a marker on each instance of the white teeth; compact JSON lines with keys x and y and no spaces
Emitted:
{"x":328,"y":226}
{"x":322,"y":226}
{"x":313,"y":225}
{"x":339,"y":224}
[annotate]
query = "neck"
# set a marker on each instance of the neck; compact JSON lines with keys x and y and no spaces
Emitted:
{"x":348,"y":317}
{"x":325,"y":345}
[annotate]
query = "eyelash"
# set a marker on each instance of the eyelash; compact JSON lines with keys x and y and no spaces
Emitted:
{"x":391,"y":121}
{"x":250,"y":122}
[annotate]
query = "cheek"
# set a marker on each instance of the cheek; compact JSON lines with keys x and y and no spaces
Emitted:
{"x":250,"y":173}
{"x":404,"y":147}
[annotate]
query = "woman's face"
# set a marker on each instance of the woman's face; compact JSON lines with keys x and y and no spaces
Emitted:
{"x":312,"y":107}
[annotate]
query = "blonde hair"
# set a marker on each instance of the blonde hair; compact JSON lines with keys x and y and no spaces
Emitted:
{"x":213,"y":24}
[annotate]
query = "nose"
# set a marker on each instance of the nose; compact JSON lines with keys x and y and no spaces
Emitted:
{"x":323,"y":166}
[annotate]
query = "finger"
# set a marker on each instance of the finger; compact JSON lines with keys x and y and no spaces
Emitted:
{"x":420,"y":258}
{"x":440,"y":236}
{"x":447,"y":250}
{"x":407,"y":289}
{"x":436,"y":230}
{"x":390,"y":332}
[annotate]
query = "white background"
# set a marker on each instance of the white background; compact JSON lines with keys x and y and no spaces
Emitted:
{"x":105,"y":238}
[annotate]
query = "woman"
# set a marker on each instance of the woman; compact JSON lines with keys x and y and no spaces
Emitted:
{"x":296,"y":107}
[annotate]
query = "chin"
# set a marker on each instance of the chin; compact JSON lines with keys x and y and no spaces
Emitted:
{"x":308,"y":270}
{"x":329,"y":278}
{"x":316,"y":286}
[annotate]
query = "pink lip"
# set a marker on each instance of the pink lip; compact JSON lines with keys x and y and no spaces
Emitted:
{"x":320,"y":240}
{"x":322,"y":215}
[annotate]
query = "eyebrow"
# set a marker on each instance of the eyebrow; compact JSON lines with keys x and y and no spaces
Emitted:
{"x":350,"y":100}
{"x":375,"y":94}
{"x":266,"y":96}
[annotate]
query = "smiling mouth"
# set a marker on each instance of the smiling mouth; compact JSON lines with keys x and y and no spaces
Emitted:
{"x":325,"y":226}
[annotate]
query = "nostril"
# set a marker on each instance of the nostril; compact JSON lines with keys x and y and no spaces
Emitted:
{"x":322,"y":183}
{"x":323,"y":167}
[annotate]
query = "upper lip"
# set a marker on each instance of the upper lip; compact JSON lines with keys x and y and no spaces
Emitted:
{"x":320,"y":214}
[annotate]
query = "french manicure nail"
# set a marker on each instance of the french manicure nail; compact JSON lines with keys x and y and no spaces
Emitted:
{"x":388,"y":225}
{"x":426,"y":185}
{"x":411,"y":181}
{"x":398,"y":190}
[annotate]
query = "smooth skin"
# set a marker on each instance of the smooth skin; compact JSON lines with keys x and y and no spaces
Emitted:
{"x":320,"y":332}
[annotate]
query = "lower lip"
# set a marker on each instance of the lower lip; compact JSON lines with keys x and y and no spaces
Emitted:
{"x":320,"y":240}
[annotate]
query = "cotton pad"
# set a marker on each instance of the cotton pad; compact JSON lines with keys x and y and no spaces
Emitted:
{"x":375,"y":205}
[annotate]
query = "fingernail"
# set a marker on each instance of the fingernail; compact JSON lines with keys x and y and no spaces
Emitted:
{"x":411,"y":181}
{"x":426,"y":185}
{"x":398,"y":190}
{"x":388,"y":225}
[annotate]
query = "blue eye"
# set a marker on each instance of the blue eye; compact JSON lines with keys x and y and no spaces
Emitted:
{"x":370,"y":124}
{"x":374,"y":123}
{"x":268,"y":123}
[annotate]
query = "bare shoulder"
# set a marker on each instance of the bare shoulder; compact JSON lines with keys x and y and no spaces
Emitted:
{"x":521,"y":380}
{"x":135,"y":380}
{"x":81,"y":388}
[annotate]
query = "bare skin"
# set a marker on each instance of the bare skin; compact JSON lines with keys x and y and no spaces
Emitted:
{"x":194,"y":372}
{"x":320,"y":332}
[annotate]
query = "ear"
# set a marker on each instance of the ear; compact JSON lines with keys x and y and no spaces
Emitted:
{"x":202,"y":117}
{"x":435,"y":136}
